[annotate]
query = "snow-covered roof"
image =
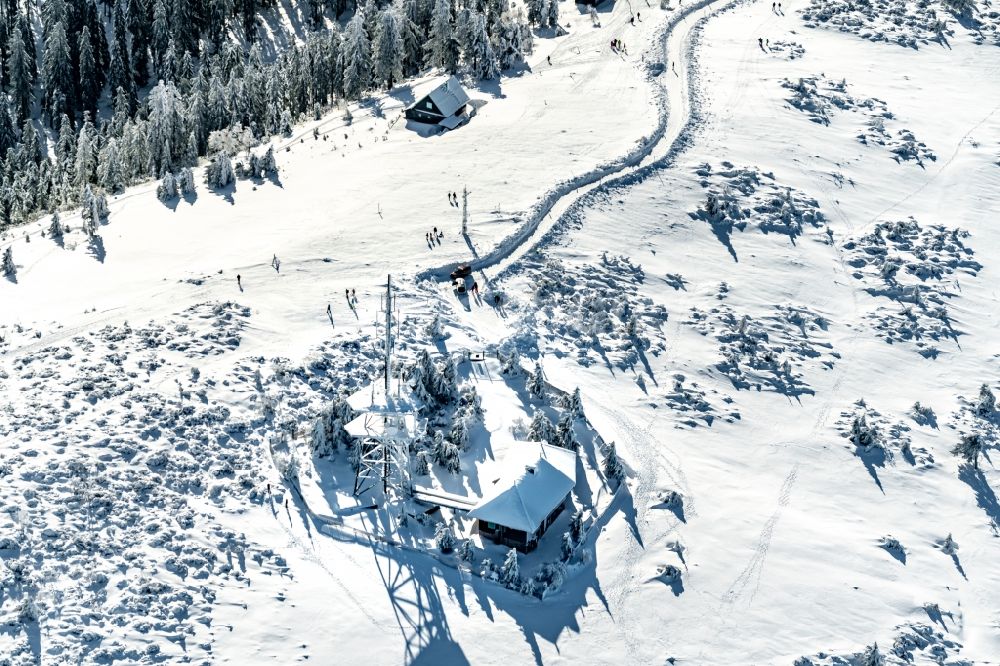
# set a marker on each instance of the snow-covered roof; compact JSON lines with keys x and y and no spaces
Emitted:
{"x":447,"y":94}
{"x":395,"y":426}
{"x":382,"y":415}
{"x":536,"y":477}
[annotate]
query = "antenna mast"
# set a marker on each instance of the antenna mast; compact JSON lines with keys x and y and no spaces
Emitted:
{"x":388,"y":330}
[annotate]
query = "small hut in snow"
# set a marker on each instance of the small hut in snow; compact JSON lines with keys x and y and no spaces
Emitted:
{"x":441,"y":101}
{"x":528,"y":496}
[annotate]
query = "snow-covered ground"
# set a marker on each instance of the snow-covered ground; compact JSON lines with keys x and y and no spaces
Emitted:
{"x":806,"y":237}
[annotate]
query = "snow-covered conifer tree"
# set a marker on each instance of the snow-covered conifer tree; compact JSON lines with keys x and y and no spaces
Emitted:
{"x":444,"y":538}
{"x":573,"y":404}
{"x":969,"y":448}
{"x":872,"y":656}
{"x":356,"y":55}
{"x":553,"y":14}
{"x":541,"y":428}
{"x":459,"y":434}
{"x":267,"y":164}
{"x":987,"y":403}
{"x":219,"y":173}
{"x":58,"y":91}
{"x":566,"y":549}
{"x":510,"y":572}
{"x":479,"y":52}
{"x":7,"y":266}
{"x":422,"y":466}
{"x":185,"y":181}
{"x":167,"y":189}
{"x":439,"y":39}
{"x":109,"y":167}
{"x":536,"y":382}
{"x":565,"y":436}
{"x":446,"y":384}
{"x":55,"y":227}
{"x":576,"y":525}
{"x":510,"y":363}
{"x":21,"y":78}
{"x":465,"y":552}
{"x":388,"y":49}
{"x":612,"y":466}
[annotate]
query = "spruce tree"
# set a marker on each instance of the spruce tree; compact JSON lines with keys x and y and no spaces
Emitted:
{"x":139,"y":26}
{"x":969,"y":448}
{"x":89,"y":91}
{"x":510,"y":572}
{"x":613,"y":468}
{"x":20,"y":77}
{"x":109,"y":168}
{"x":56,"y":228}
{"x":8,"y":267}
{"x":541,"y":428}
{"x":160,"y":35}
{"x":57,"y":76}
{"x":565,"y":435}
{"x":536,"y":382}
{"x":8,"y":136}
{"x":440,"y":36}
{"x":356,"y":55}
{"x":388,"y":50}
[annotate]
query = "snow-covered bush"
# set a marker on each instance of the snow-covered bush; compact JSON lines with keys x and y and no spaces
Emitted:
{"x":923,"y":414}
{"x":287,"y":465}
{"x":864,"y":435}
{"x":549,"y":578}
{"x":465,"y":551}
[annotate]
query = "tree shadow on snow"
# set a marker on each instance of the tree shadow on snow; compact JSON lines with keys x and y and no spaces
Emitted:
{"x":95,"y":245}
{"x":986,"y":498}
{"x":722,"y":228}
{"x":226,"y":192}
{"x":872,"y":457}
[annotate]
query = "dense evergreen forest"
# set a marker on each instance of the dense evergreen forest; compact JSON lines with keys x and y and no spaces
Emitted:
{"x":99,"y":95}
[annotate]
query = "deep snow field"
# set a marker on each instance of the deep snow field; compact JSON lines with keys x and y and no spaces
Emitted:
{"x":749,"y":248}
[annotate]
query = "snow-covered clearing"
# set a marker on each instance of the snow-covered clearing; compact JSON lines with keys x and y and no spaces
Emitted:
{"x":733,"y":286}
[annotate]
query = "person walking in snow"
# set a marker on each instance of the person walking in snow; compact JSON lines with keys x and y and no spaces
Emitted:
{"x":354,"y":297}
{"x":475,"y":287}
{"x":549,"y":59}
{"x":347,"y":295}
{"x":760,"y":43}
{"x":239,"y":281}
{"x":329,"y":311}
